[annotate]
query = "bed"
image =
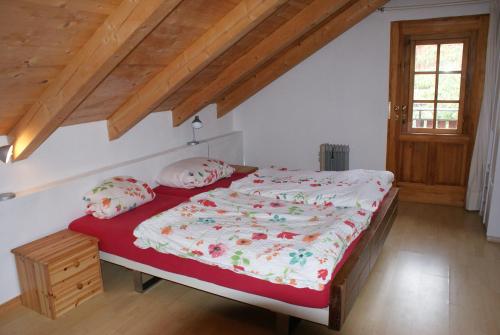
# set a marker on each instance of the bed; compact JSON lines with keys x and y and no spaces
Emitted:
{"x":329,"y":306}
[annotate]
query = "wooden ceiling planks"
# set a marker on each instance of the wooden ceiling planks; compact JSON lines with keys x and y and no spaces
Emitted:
{"x":190,"y":20}
{"x":122,"y":31}
{"x":112,"y":93}
{"x":37,"y":39}
{"x":267,"y":27}
{"x":94,"y":6}
{"x":281,"y":38}
{"x":289,"y":58}
{"x":219,"y":38}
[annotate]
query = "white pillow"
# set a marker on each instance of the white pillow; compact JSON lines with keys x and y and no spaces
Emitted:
{"x":194,"y":172}
{"x":117,"y":195}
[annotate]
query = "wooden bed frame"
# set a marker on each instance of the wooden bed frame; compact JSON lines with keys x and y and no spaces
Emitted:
{"x":345,"y":288}
{"x":354,"y":273}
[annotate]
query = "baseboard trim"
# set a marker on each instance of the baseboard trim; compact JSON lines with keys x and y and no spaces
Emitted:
{"x":493,"y":239}
{"x":10,"y":304}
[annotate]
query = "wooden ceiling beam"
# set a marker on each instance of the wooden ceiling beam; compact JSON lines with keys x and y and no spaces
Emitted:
{"x":330,"y":30}
{"x":284,"y":36}
{"x":122,"y":31}
{"x":220,"y":37}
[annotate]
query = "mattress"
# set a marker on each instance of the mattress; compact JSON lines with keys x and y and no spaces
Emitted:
{"x":116,"y":237}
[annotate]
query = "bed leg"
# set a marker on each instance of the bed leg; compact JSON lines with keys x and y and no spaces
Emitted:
{"x":141,"y":286}
{"x":285,"y":324}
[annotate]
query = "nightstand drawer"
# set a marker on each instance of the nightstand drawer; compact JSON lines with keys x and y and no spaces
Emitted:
{"x":74,"y":290}
{"x":78,"y":261}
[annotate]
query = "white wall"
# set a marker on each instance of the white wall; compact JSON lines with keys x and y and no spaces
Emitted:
{"x":74,"y":150}
{"x":338,"y":95}
{"x":50,"y":183}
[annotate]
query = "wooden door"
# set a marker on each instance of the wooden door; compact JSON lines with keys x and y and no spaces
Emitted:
{"x":435,"y":92}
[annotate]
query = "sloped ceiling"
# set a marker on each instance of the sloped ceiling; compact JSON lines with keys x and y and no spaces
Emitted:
{"x":73,"y":61}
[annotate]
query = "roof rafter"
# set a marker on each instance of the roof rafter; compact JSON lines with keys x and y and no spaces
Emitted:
{"x":284,"y":36}
{"x":239,"y":21}
{"x":122,"y":31}
{"x":330,"y":30}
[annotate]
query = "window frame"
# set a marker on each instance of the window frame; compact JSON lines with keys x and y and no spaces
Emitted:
{"x":436,"y":73}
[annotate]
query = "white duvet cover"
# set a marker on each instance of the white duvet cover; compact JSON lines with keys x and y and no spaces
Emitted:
{"x":353,"y":188}
{"x":273,"y":240}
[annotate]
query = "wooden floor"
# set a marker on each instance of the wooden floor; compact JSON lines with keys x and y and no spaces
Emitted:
{"x":436,"y":275}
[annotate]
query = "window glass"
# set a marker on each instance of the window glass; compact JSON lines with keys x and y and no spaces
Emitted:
{"x":450,"y":57}
{"x":425,"y":57}
{"x":437,"y":81}
{"x":424,"y":87}
{"x":423,"y":115}
{"x":447,"y":115}
{"x":449,"y":86}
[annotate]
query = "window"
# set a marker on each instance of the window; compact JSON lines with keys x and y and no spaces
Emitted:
{"x":437,"y":86}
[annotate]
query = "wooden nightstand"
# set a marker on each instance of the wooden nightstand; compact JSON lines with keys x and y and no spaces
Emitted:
{"x":58,"y":272}
{"x":244,"y":168}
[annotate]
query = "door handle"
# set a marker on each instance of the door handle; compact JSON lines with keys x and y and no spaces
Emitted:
{"x":403,"y":113}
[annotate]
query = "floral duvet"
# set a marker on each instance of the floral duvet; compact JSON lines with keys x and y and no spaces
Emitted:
{"x":353,"y":188}
{"x":273,"y":240}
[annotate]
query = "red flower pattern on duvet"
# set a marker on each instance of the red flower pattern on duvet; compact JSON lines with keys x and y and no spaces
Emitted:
{"x":259,"y":236}
{"x":322,"y":273}
{"x":287,"y":235}
{"x":197,"y":252}
{"x":217,"y":250}
{"x":207,"y":203}
{"x":350,"y":224}
{"x":258,"y":181}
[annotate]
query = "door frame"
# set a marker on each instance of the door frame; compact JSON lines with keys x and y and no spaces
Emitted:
{"x":400,"y":30}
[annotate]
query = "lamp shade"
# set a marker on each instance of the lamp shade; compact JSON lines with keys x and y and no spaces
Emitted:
{"x":197,"y":124}
{"x":6,"y":153}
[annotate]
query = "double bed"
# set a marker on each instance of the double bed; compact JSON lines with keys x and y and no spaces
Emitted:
{"x":328,"y":306}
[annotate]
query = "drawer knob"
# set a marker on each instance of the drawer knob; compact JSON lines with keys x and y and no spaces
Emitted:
{"x":79,"y":286}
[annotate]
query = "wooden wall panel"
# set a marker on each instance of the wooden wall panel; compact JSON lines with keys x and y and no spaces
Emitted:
{"x":449,"y":164}
{"x":414,"y":163}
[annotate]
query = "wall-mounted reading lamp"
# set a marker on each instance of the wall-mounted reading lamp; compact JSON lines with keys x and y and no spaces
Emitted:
{"x":6,"y":153}
{"x":6,"y":157}
{"x":196,"y":124}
